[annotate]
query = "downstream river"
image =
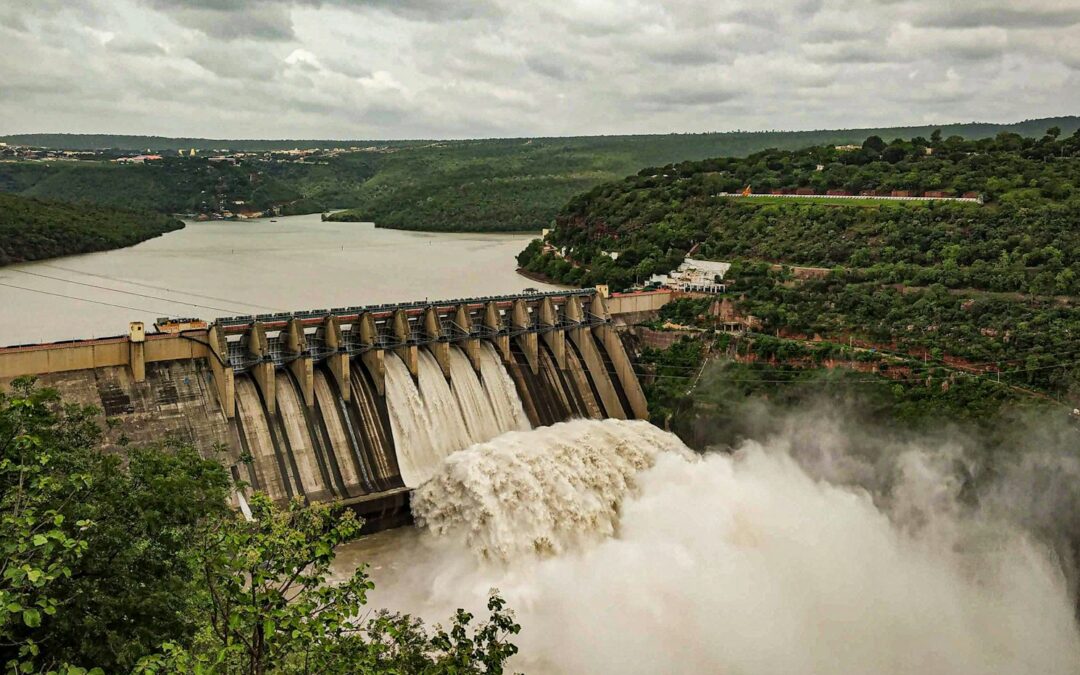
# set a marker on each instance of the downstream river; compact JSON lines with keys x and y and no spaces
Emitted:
{"x":226,"y":268}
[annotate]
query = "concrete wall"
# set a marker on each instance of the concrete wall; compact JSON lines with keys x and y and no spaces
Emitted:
{"x":634,"y":303}
{"x":60,"y":357}
{"x":661,"y":339}
{"x":177,"y":399}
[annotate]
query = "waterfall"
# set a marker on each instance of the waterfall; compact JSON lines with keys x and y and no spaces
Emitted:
{"x":413,"y":430}
{"x":476,"y":408}
{"x":433,"y":418}
{"x":449,"y":432}
{"x":501,"y":392}
{"x":542,"y":491}
{"x":347,"y":449}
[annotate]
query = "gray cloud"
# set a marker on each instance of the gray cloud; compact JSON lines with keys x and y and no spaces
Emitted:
{"x":134,"y":44}
{"x":977,"y":13}
{"x":692,"y":97}
{"x":229,"y":20}
{"x":451,"y":68}
{"x":552,"y":68}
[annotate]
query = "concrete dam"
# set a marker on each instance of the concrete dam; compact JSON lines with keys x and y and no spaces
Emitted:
{"x":358,"y":404}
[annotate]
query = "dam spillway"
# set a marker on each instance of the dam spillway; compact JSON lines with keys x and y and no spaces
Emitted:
{"x":359,"y":404}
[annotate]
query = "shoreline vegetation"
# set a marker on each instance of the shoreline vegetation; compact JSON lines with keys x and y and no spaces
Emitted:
{"x":540,"y":277}
{"x":36,"y":229}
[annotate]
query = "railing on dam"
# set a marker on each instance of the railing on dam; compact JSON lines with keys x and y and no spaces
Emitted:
{"x":259,"y":345}
{"x":414,"y":306}
{"x":311,"y":334}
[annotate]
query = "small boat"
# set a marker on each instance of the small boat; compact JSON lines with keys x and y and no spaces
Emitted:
{"x":272,"y":220}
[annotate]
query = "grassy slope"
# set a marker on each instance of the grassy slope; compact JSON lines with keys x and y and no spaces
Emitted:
{"x":33,"y":229}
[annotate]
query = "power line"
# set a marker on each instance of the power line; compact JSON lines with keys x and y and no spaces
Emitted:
{"x":72,"y":297}
{"x":141,"y":295}
{"x":157,"y":288}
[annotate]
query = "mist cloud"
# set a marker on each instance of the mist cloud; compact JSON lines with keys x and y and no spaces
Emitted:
{"x":812,"y":549}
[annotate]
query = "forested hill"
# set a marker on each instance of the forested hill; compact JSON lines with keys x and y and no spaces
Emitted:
{"x":985,"y":297}
{"x":33,"y":229}
{"x":473,"y":185}
{"x":1025,"y":238}
{"x":132,"y":143}
{"x":720,"y":143}
{"x":519,"y":184}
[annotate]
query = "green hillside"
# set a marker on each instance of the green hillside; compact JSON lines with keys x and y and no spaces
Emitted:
{"x":986,"y":288}
{"x":173,"y":185}
{"x":520,"y":184}
{"x":1031,"y":187}
{"x":472,"y":185}
{"x":33,"y":229}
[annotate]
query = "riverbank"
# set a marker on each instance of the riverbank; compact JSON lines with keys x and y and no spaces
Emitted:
{"x":542,"y":278}
{"x":38,"y":229}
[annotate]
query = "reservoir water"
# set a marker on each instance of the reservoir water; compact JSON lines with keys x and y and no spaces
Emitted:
{"x":226,"y":268}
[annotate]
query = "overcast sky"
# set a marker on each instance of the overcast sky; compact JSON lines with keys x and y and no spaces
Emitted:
{"x":458,"y":68}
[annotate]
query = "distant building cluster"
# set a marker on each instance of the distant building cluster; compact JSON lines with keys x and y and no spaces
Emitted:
{"x":138,"y":159}
{"x":23,"y":153}
{"x":701,"y":276}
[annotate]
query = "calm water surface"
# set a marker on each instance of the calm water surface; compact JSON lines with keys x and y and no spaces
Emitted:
{"x":222,"y":268}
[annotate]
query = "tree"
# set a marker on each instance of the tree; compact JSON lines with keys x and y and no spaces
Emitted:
{"x":108,"y":558}
{"x":39,"y":545}
{"x":103,"y":542}
{"x":146,"y":508}
{"x":874,"y":143}
{"x":271,"y":609}
{"x":893,"y":154}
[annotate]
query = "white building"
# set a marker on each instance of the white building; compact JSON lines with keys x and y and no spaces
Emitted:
{"x":703,"y":276}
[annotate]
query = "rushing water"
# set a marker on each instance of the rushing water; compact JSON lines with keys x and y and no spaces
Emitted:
{"x":430,"y":421}
{"x":622,"y":552}
{"x":416,"y":451}
{"x":476,"y":408}
{"x":212,"y":269}
{"x":500,"y":389}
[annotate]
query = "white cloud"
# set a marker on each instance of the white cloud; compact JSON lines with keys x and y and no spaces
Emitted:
{"x":450,"y":68}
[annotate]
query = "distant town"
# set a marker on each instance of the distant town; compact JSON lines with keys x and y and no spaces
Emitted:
{"x":228,"y":196}
{"x":28,"y":153}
